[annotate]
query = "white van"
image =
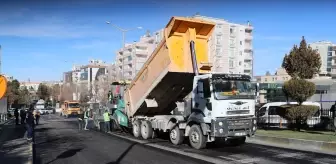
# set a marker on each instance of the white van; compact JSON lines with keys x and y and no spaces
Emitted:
{"x":267,"y":114}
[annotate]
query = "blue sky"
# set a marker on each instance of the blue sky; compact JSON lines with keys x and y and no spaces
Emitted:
{"x":40,"y":39}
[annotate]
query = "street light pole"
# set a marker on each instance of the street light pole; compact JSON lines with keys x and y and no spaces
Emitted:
{"x":123,"y":31}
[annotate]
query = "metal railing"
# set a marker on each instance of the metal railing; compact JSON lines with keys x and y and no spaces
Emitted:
{"x":322,"y":120}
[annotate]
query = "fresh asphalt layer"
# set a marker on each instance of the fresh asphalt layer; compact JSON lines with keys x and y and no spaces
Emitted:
{"x":59,"y":141}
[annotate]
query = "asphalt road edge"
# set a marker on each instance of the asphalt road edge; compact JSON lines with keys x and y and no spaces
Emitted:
{"x":177,"y":151}
{"x":295,"y":144}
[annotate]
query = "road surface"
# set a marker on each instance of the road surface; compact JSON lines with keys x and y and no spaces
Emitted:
{"x":59,"y":141}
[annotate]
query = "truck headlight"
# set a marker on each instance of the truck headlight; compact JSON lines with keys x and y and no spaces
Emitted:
{"x":255,"y":121}
{"x":254,"y":128}
{"x":221,"y":130}
{"x":220,"y":123}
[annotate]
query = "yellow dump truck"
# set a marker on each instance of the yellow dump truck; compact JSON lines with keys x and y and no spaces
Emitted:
{"x":70,"y":108}
{"x":176,"y":92}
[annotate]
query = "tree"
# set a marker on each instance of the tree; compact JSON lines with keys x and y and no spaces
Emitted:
{"x":43,"y":91}
{"x":103,"y":84}
{"x":67,"y":91}
{"x":84,"y":94}
{"x":302,"y":63}
{"x":55,"y":92}
{"x":103,"y":87}
{"x":24,"y":96}
{"x":13,"y":92}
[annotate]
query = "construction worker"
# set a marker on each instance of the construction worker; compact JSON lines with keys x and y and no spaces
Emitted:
{"x":81,"y":120}
{"x":30,"y":123}
{"x":86,"y":118}
{"x":16,"y":114}
{"x":107,"y":121}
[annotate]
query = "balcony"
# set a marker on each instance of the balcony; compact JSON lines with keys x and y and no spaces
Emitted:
{"x":126,"y":61}
{"x":248,"y":48}
{"x":248,"y":36}
{"x":248,"y":56}
{"x":141,"y":52}
{"x":247,"y":66}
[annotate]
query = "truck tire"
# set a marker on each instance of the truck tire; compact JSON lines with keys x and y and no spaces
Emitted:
{"x":136,"y":128}
{"x":176,"y":136}
{"x":146,"y":130}
{"x":196,"y":138}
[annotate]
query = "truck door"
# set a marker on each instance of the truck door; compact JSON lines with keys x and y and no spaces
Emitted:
{"x":203,"y":95}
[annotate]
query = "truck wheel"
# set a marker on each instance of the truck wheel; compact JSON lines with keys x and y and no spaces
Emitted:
{"x":136,"y":128}
{"x":176,"y":136}
{"x":146,"y":130}
{"x":196,"y":138}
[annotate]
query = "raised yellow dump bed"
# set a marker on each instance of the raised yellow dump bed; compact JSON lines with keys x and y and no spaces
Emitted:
{"x":168,"y":74}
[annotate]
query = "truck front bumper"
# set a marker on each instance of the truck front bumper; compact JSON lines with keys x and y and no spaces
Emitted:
{"x":233,"y":127}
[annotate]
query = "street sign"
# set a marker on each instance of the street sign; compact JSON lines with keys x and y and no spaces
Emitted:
{"x":3,"y":86}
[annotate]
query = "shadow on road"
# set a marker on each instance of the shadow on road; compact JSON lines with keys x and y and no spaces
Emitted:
{"x":41,"y":129}
{"x":12,"y":144}
{"x":123,"y":154}
{"x":6,"y":136}
{"x":66,"y":154}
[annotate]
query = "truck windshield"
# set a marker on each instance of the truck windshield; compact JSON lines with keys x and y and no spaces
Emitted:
{"x":73,"y":105}
{"x":233,"y":89}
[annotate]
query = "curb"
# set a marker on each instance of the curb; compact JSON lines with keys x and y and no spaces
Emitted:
{"x":297,"y":144}
{"x":5,"y":122}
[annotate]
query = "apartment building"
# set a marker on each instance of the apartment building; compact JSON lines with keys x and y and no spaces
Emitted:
{"x":8,"y":77}
{"x":333,"y":63}
{"x":230,"y":46}
{"x":280,"y":76}
{"x":131,"y":58}
{"x":327,"y":52}
{"x":31,"y":86}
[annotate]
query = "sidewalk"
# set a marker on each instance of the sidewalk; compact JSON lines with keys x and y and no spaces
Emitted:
{"x":294,"y":143}
{"x":14,"y":147}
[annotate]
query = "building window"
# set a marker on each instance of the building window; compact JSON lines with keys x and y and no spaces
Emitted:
{"x":231,"y":63}
{"x":241,"y":42}
{"x":328,"y":69}
{"x":240,"y":53}
{"x":219,"y":39}
{"x":330,"y":48}
{"x":231,"y":51}
{"x":329,"y":53}
{"x":240,"y":63}
{"x":231,"y":42}
{"x":219,"y":26}
{"x":218,"y":51}
{"x":231,"y":31}
{"x":129,"y":58}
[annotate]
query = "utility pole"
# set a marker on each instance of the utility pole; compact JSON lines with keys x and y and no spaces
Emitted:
{"x":123,"y":31}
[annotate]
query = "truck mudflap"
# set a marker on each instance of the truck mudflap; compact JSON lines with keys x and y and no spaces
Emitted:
{"x":233,"y":127}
